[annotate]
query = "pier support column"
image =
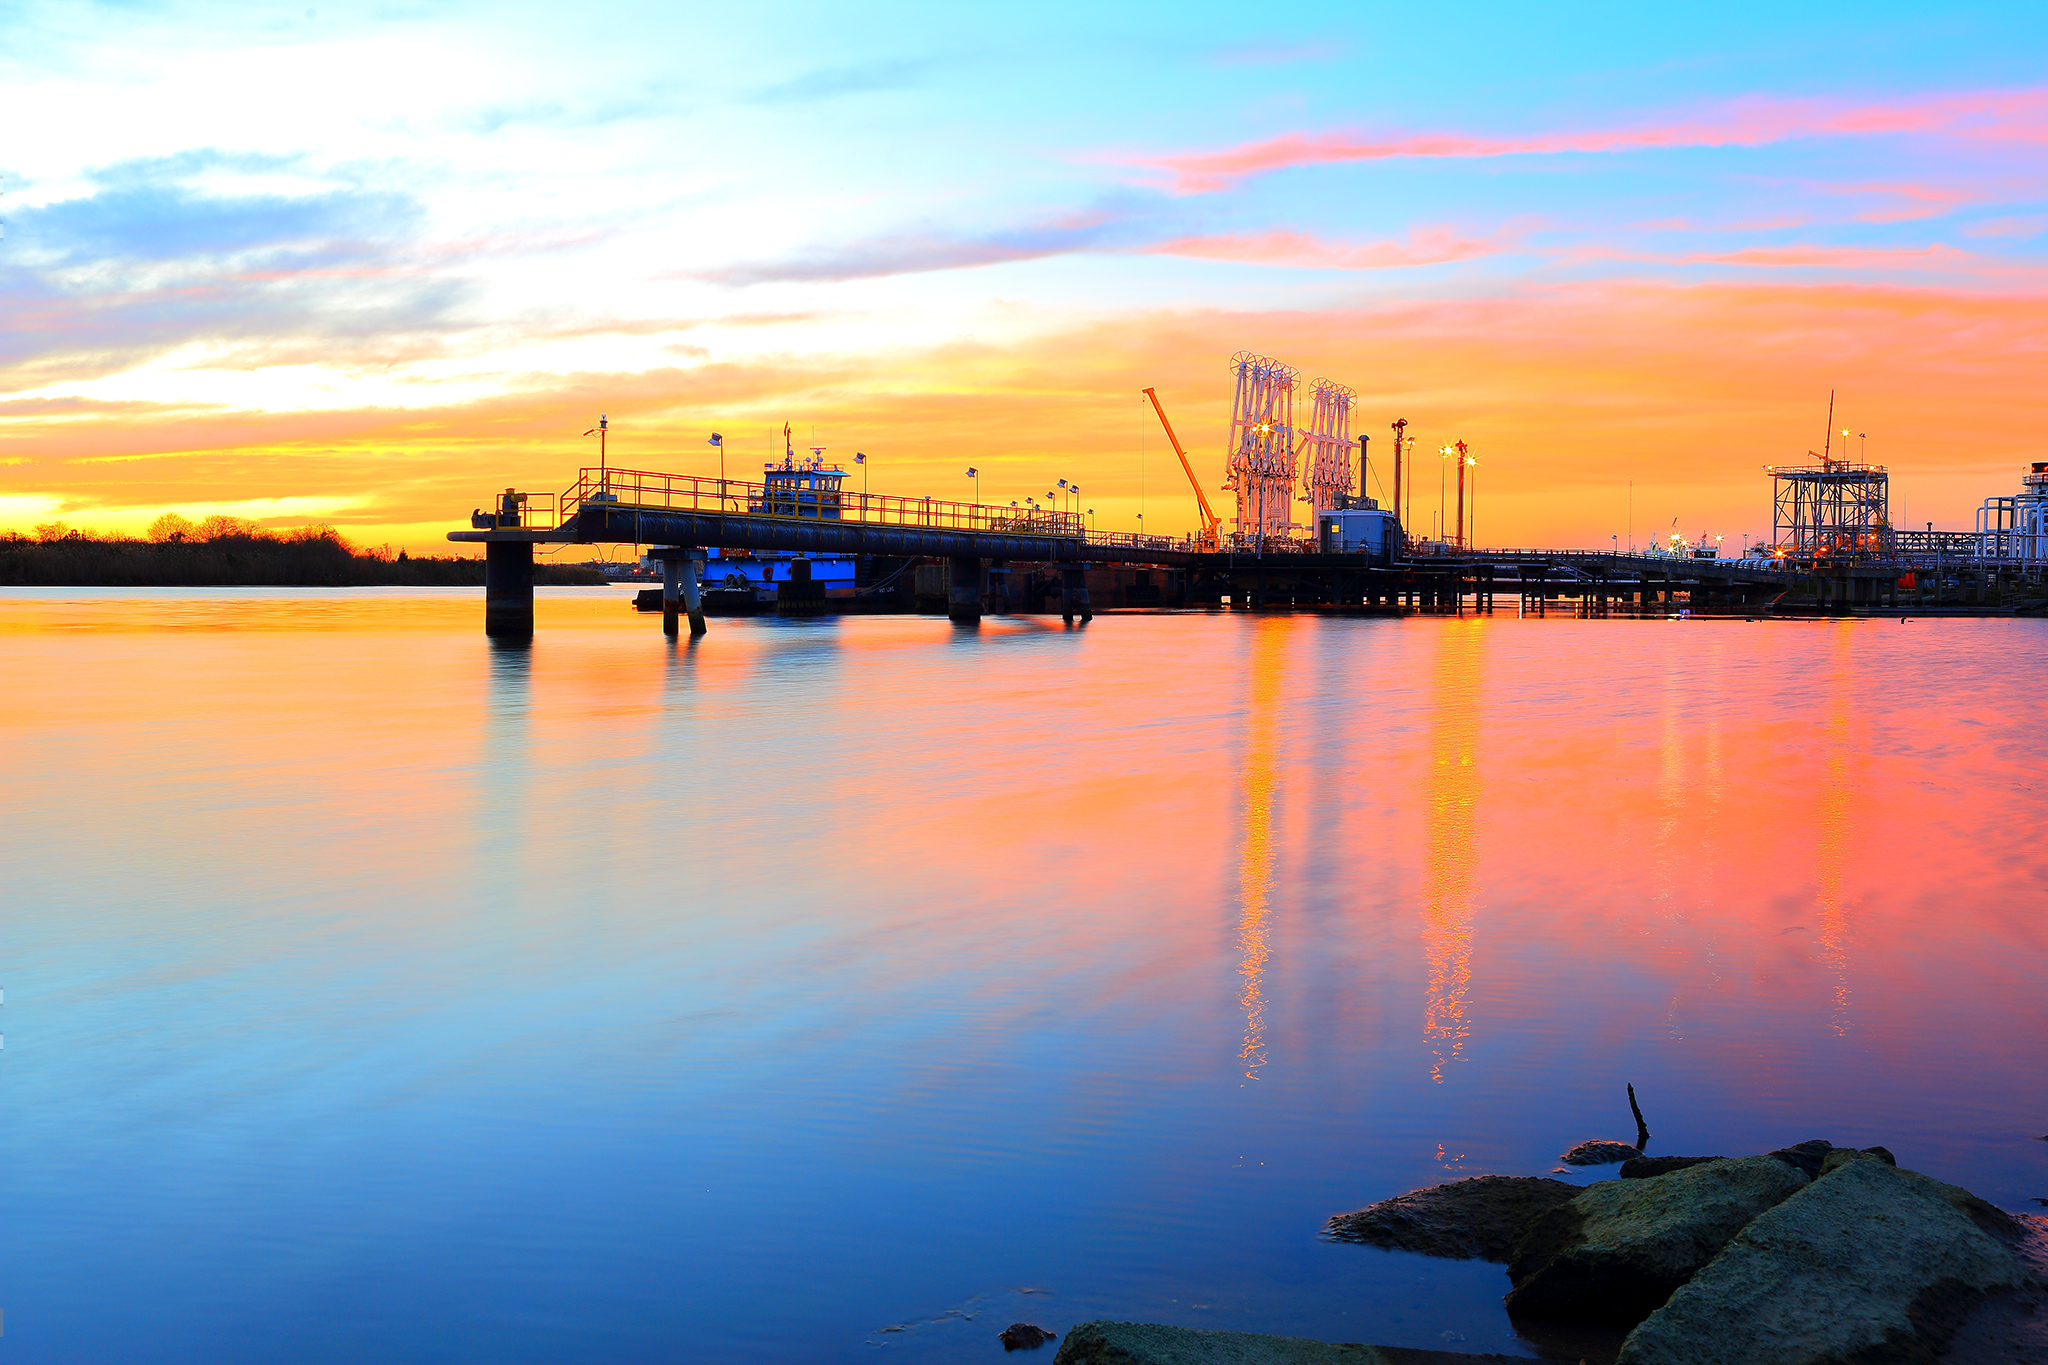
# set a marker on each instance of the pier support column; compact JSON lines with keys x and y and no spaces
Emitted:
{"x":671,"y":596}
{"x":693,"y":596}
{"x":963,"y":598}
{"x":508,"y":589}
{"x":1074,"y":595}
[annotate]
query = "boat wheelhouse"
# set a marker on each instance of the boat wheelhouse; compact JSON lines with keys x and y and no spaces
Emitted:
{"x":800,"y":488}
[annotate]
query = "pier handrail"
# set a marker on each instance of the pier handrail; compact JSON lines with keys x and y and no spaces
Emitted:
{"x":627,"y":489}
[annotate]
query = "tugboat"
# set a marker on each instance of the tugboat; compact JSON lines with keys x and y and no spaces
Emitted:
{"x":800,"y":488}
{"x":750,"y":582}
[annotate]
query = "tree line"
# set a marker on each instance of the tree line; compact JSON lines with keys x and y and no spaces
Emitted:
{"x":222,"y":551}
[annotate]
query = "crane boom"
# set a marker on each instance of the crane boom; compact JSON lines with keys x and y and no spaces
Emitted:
{"x":1210,"y":521}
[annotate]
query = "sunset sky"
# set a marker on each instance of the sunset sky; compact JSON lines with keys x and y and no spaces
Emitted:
{"x":361,"y":265}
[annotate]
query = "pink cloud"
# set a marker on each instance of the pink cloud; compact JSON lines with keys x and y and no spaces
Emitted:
{"x":1911,"y":201}
{"x":2008,"y":227}
{"x":1425,"y":246}
{"x":2016,"y":115}
{"x":1835,"y":257}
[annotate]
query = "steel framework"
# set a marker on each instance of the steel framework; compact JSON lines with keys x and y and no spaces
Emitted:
{"x":2014,"y":530}
{"x":1262,"y":447}
{"x":1838,"y":511}
{"x":1327,"y":446}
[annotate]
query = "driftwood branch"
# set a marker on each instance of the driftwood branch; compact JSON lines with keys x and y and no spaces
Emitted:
{"x":1642,"y":1129}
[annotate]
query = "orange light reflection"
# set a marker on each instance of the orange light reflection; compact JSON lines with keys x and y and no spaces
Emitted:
{"x":1453,"y":800}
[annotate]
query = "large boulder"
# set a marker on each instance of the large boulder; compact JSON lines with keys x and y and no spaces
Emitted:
{"x":1867,"y":1263}
{"x":1644,"y":1167}
{"x":1599,"y":1153}
{"x":2011,"y":1329}
{"x":1983,"y":1213}
{"x":1808,"y":1156}
{"x":1151,"y":1343}
{"x":1483,"y":1217}
{"x":1616,"y":1252}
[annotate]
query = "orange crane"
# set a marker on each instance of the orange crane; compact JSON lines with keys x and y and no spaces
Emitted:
{"x":1210,"y":521}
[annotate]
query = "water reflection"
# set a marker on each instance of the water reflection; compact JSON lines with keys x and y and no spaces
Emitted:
{"x":1255,"y":863}
{"x":1453,"y":798}
{"x":536,"y":1001}
{"x":1837,"y":795}
{"x":504,"y":768}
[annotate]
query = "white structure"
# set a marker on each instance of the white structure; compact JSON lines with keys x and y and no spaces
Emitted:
{"x":1261,"y":450}
{"x":2014,"y":530}
{"x":1328,"y":447}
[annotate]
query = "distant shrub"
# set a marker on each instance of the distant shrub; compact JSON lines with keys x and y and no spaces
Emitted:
{"x":171,"y":529}
{"x":218,"y":527}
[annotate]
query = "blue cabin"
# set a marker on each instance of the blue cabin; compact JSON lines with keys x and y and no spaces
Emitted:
{"x":800,"y":488}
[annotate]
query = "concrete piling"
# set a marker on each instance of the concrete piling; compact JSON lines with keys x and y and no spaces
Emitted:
{"x":693,"y":598}
{"x":964,"y":590}
{"x":671,"y":597}
{"x":1074,"y":595}
{"x":508,"y":589}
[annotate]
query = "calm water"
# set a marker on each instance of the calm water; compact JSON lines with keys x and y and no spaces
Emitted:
{"x":845,"y":990}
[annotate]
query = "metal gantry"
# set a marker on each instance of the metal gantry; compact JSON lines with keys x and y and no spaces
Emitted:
{"x":1262,"y":448}
{"x":1835,"y":512}
{"x":1328,"y":446}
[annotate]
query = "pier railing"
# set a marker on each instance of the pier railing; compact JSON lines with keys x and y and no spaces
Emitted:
{"x":1129,"y":540}
{"x":642,"y":488}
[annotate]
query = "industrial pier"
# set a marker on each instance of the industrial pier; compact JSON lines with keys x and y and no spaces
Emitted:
{"x":995,"y":559}
{"x":1833,"y":549}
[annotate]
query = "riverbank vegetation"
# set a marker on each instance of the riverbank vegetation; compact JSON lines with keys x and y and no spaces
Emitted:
{"x":231,"y":552}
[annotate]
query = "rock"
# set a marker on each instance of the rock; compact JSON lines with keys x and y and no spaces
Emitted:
{"x":1617,"y":1251}
{"x":1022,"y":1336}
{"x":1643,"y":1167}
{"x":2011,"y":1329}
{"x":1807,"y":1156}
{"x":1985,"y":1215}
{"x":1883,"y":1154}
{"x":1482,"y":1217}
{"x":1842,"y":1156}
{"x":1151,"y":1343}
{"x":1865,"y":1264}
{"x":1598,"y":1154}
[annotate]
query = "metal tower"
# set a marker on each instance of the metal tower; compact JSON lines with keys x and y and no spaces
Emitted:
{"x":1835,"y":512}
{"x":1262,"y":447}
{"x":1328,"y":446}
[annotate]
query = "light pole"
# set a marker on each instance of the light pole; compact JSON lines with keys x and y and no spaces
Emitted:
{"x":975,"y":474}
{"x":1442,"y":487}
{"x":862,"y":461}
{"x":1464,"y":462}
{"x":598,"y":431}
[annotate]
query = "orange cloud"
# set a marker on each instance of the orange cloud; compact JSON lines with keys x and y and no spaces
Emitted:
{"x":2016,"y":115}
{"x":1567,"y":394}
